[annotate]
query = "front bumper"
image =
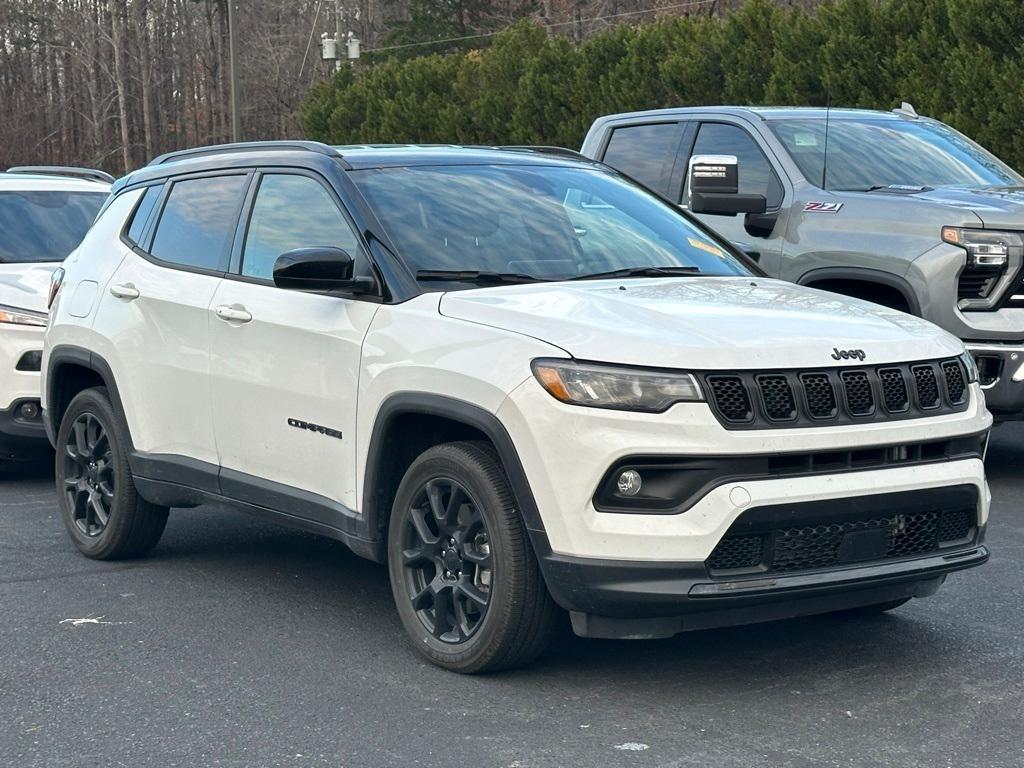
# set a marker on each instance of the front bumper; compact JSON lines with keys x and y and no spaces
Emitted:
{"x":806,"y":561}
{"x":566,"y":452}
{"x":652,"y":600}
{"x":1002,"y":372}
{"x":20,"y":435}
{"x":18,"y":387}
{"x":644,"y":574}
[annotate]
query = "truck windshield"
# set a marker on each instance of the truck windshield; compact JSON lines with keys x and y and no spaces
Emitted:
{"x":535,"y":222}
{"x":868,"y":154}
{"x":44,"y":225}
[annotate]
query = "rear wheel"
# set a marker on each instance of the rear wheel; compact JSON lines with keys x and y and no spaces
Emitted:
{"x":466,"y":583}
{"x":103,"y":513}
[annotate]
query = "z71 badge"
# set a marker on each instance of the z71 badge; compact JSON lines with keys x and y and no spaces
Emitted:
{"x":823,"y":207}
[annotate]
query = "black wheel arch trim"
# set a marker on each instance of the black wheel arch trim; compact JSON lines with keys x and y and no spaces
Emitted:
{"x":425,"y":403}
{"x":866,"y":275}
{"x":67,"y":354}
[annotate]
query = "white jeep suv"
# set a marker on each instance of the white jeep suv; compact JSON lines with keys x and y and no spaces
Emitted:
{"x":522,"y":381}
{"x":44,"y":213}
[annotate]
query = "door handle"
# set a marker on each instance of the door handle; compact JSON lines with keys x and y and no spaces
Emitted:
{"x":124,"y":291}
{"x":233,"y":313}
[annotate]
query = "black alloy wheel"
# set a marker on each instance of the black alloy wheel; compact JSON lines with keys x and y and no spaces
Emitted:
{"x":101,"y":508}
{"x":89,"y":474}
{"x":446,"y":560}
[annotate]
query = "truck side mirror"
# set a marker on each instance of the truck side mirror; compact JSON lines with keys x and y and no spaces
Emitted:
{"x":714,"y":187}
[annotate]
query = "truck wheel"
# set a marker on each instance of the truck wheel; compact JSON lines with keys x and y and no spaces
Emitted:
{"x":466,"y":583}
{"x":106,"y":517}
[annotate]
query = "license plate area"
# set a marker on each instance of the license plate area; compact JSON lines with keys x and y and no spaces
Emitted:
{"x":859,"y":546}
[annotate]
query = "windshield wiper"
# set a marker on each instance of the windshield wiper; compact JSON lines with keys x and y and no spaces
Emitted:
{"x":477,"y":276}
{"x":641,"y":272}
{"x":906,"y":188}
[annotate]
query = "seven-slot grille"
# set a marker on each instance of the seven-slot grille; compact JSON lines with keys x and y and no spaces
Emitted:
{"x":759,"y":399}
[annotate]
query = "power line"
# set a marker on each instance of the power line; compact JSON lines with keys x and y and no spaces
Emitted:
{"x":309,"y":42}
{"x":691,"y":4}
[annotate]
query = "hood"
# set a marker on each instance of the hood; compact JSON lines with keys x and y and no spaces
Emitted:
{"x":25,"y":286}
{"x":998,"y":208}
{"x":720,"y":323}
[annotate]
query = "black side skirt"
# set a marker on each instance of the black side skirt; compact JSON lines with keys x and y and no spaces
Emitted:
{"x":178,"y":481}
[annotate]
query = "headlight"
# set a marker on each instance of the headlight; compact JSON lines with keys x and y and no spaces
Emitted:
{"x":986,"y":249}
{"x":619,"y":388}
{"x":971,"y":366}
{"x":17,"y":316}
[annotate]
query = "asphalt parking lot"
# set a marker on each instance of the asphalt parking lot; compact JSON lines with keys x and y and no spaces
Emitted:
{"x":243,"y":644}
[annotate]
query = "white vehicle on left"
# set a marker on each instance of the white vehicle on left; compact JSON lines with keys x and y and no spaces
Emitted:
{"x":44,"y":213}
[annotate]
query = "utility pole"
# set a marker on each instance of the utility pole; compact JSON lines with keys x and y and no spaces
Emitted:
{"x":232,"y":70}
{"x":339,"y":18}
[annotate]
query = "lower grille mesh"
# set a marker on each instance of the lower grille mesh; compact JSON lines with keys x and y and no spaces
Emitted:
{"x":818,"y":546}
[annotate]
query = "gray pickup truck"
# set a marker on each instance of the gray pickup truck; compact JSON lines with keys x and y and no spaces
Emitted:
{"x":891,"y":207}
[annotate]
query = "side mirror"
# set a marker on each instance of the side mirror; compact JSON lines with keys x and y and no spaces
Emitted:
{"x":322,"y":269}
{"x":714,"y":187}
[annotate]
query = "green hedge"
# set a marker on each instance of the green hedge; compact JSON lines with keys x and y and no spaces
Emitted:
{"x":961,"y":61}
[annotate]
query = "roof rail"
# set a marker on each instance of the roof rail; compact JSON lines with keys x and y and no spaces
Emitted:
{"x":91,"y":174}
{"x":560,"y":151}
{"x":244,"y":146}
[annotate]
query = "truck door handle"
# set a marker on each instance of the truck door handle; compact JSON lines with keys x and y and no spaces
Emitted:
{"x":233,"y":313}
{"x":124,"y":291}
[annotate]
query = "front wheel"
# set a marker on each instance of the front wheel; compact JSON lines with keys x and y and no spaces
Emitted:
{"x":466,"y":583}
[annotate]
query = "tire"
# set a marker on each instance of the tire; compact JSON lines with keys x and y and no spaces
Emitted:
{"x":94,"y":482}
{"x":491,"y":550}
{"x":868,"y":610}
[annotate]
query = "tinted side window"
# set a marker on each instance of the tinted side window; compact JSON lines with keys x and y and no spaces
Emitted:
{"x":292,"y":212}
{"x":142,"y":212}
{"x":645,"y":152}
{"x":756,"y":175}
{"x":198,"y":222}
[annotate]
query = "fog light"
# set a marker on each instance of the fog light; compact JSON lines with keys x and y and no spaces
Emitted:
{"x":629,"y":483}
{"x":28,"y":411}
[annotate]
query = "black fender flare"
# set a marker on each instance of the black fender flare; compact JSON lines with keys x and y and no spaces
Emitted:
{"x":68,"y":354}
{"x":866,"y":275}
{"x":471,"y":415}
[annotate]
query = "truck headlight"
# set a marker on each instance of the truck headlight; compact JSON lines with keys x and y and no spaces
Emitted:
{"x":971,"y":366}
{"x":617,"y":387}
{"x":986,"y":249}
{"x":16,"y":316}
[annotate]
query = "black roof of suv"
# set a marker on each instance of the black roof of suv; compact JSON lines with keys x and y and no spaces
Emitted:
{"x":354,"y":157}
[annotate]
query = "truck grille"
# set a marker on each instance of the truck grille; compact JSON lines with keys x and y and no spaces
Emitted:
{"x":760,"y":399}
{"x":976,"y":285}
{"x":823,"y":540}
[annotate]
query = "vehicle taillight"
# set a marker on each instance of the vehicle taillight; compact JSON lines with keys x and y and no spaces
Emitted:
{"x":56,"y":281}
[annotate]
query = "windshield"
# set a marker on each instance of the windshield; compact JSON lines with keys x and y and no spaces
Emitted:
{"x":44,"y":225}
{"x":546,"y":222}
{"x":866,"y":154}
